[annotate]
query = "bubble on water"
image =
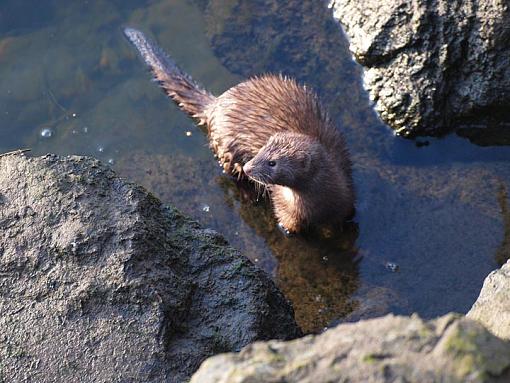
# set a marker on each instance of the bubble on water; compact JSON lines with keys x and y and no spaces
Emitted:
{"x":100,"y":149}
{"x":111,"y":161}
{"x":74,"y":115}
{"x":188,"y":133}
{"x":74,"y":131}
{"x":392,"y":266}
{"x":325,"y":258}
{"x":46,"y":133}
{"x":205,"y":208}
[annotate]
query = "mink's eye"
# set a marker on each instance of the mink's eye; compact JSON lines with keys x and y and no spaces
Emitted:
{"x":271,"y":163}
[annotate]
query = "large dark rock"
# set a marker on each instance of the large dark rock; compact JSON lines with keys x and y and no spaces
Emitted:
{"x":431,"y":66}
{"x":101,"y":283}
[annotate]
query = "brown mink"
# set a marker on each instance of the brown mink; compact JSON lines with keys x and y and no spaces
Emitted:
{"x":273,"y":131}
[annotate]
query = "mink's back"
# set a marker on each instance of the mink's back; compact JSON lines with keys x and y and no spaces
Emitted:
{"x":242,"y":119}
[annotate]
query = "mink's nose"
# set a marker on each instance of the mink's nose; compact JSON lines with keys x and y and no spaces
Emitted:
{"x":248,"y":168}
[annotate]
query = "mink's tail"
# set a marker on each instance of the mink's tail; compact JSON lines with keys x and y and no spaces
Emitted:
{"x":190,"y":97}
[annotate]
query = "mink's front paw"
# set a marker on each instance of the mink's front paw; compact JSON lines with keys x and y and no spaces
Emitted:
{"x":286,"y":232}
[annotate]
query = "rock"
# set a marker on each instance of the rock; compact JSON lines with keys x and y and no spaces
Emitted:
{"x":387,"y":349}
{"x":492,"y":308}
{"x":430,"y":65}
{"x":100,"y":282}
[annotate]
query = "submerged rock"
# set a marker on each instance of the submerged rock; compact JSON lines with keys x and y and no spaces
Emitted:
{"x":492,"y":308}
{"x":100,"y":282}
{"x":432,"y":65}
{"x":387,"y":349}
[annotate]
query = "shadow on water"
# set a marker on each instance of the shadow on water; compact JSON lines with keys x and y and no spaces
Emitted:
{"x":432,"y":214}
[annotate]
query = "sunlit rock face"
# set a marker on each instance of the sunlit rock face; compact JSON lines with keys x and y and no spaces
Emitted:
{"x":387,"y":349}
{"x":431,"y":66}
{"x":492,"y":308}
{"x":100,"y":280}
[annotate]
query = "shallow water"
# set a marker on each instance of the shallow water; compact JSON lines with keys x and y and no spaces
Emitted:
{"x":432,"y":217}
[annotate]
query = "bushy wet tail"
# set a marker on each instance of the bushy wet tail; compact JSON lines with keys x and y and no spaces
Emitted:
{"x":177,"y":84}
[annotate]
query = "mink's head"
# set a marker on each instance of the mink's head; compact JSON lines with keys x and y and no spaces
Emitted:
{"x":287,"y":159}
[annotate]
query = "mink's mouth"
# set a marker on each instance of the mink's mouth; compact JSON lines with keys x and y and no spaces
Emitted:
{"x":257,"y":179}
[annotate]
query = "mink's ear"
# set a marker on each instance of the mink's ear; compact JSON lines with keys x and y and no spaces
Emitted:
{"x":307,"y":161}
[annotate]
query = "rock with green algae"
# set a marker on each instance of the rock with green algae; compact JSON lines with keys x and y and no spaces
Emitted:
{"x":492,"y":308}
{"x":101,"y":283}
{"x":387,"y":349}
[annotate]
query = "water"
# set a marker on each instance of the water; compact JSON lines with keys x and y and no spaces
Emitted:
{"x":432,"y":217}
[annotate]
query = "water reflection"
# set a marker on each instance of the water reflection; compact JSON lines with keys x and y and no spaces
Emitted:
{"x":317,"y":273}
{"x":319,"y":276}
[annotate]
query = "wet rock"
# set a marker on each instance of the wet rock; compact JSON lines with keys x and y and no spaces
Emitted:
{"x":431,"y":64}
{"x":492,"y":308}
{"x":387,"y":349}
{"x":99,"y":280}
{"x":495,"y":133}
{"x":374,"y":302}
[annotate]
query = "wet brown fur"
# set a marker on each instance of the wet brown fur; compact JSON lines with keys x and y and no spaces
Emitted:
{"x":261,"y":118}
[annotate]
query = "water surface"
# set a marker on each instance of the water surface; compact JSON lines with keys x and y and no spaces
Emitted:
{"x":432,"y":216}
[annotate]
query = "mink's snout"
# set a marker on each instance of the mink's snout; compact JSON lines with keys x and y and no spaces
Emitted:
{"x":248,"y":168}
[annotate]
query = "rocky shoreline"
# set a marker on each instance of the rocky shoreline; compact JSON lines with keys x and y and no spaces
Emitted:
{"x":100,"y":282}
{"x":451,"y":348}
